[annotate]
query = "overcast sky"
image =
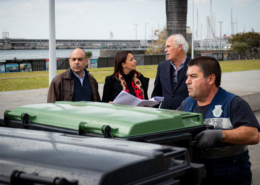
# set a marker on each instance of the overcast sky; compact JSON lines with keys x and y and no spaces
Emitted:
{"x":94,"y":19}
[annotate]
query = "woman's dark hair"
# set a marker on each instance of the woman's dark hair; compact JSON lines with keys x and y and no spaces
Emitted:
{"x":208,"y":66}
{"x":120,"y":58}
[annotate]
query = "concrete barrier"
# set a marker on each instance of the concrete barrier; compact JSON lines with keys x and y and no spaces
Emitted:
{"x":251,"y":97}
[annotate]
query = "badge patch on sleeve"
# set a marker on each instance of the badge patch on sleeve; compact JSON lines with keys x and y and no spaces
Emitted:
{"x":217,"y":111}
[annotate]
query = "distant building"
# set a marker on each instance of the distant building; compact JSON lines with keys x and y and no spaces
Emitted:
{"x":68,"y":44}
{"x":188,"y":30}
{"x":209,"y":44}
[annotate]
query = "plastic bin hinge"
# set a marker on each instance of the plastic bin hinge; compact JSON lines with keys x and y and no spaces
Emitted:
{"x":19,"y":177}
{"x":14,"y":177}
{"x":81,"y":126}
{"x":63,"y":181}
{"x":26,"y":121}
{"x":106,"y":130}
{"x":6,"y":120}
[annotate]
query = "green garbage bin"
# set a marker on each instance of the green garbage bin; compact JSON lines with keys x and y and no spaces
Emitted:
{"x":132,"y":123}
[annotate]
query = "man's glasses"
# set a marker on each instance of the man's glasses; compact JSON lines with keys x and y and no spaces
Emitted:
{"x":175,"y":76}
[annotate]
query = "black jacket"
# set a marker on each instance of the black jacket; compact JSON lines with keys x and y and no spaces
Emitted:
{"x":112,"y":88}
{"x":163,"y":85}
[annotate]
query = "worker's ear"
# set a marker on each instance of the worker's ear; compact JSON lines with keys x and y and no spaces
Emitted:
{"x":211,"y":79}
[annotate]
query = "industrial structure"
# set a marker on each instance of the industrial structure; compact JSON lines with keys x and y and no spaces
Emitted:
{"x":12,"y":43}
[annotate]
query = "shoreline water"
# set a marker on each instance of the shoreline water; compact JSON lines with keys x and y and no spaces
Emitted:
{"x":44,"y":53}
{"x":40,"y":54}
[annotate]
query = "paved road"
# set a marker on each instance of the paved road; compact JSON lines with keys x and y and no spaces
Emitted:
{"x":245,"y":84}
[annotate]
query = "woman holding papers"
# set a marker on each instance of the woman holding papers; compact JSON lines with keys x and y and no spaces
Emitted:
{"x":125,"y":77}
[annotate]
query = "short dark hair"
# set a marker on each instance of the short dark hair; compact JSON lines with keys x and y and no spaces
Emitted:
{"x":208,"y":66}
{"x":79,"y":49}
{"x":120,"y":58}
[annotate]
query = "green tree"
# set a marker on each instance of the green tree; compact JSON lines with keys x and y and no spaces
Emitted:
{"x":88,"y":54}
{"x":239,"y":47}
{"x":189,"y":51}
{"x":176,"y":16}
{"x":252,"y":39}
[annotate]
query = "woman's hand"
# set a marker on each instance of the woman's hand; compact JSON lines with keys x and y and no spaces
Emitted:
{"x":111,"y":102}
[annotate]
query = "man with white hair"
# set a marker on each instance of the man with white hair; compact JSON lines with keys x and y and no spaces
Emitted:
{"x":171,"y":74}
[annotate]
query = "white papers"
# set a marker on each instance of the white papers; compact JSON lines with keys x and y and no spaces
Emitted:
{"x":157,"y":98}
{"x":125,"y":98}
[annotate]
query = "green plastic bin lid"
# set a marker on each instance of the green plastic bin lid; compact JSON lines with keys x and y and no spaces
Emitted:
{"x":92,"y":117}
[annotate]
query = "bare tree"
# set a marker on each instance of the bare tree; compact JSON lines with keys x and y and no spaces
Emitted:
{"x":158,"y":48}
{"x":176,"y":15}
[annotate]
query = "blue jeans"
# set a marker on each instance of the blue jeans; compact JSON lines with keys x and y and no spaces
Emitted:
{"x":229,"y":170}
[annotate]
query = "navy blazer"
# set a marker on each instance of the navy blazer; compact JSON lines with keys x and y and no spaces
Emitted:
{"x":163,"y":84}
{"x":113,"y":87}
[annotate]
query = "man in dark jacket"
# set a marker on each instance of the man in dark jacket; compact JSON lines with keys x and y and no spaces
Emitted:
{"x":171,"y":74}
{"x":76,"y":84}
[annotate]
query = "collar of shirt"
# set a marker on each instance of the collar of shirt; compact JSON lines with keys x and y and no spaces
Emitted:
{"x":181,"y":66}
{"x":80,"y":79}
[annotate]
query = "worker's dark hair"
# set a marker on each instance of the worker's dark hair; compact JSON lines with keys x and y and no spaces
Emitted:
{"x":208,"y":66}
{"x":120,"y":58}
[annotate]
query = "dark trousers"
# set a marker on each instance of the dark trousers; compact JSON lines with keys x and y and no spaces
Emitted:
{"x":228,"y":171}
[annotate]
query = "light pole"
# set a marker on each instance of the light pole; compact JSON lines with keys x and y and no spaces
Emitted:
{"x":220,"y":22}
{"x":145,"y":34}
{"x":52,"y":41}
{"x":135,"y":31}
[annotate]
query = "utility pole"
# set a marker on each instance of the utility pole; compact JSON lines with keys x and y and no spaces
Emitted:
{"x":214,"y":26}
{"x":211,"y":24}
{"x":232,"y":24}
{"x":220,"y":34}
{"x":201,"y":43}
{"x":197,"y":31}
{"x":135,"y":31}
{"x":236,"y":24}
{"x":145,"y":34}
{"x":136,"y":34}
{"x":152,"y":34}
{"x":192,"y":47}
{"x":208,"y":35}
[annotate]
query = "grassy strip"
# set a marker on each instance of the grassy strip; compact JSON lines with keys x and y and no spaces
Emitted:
{"x":39,"y":79}
{"x":24,"y":83}
{"x":240,"y":65}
